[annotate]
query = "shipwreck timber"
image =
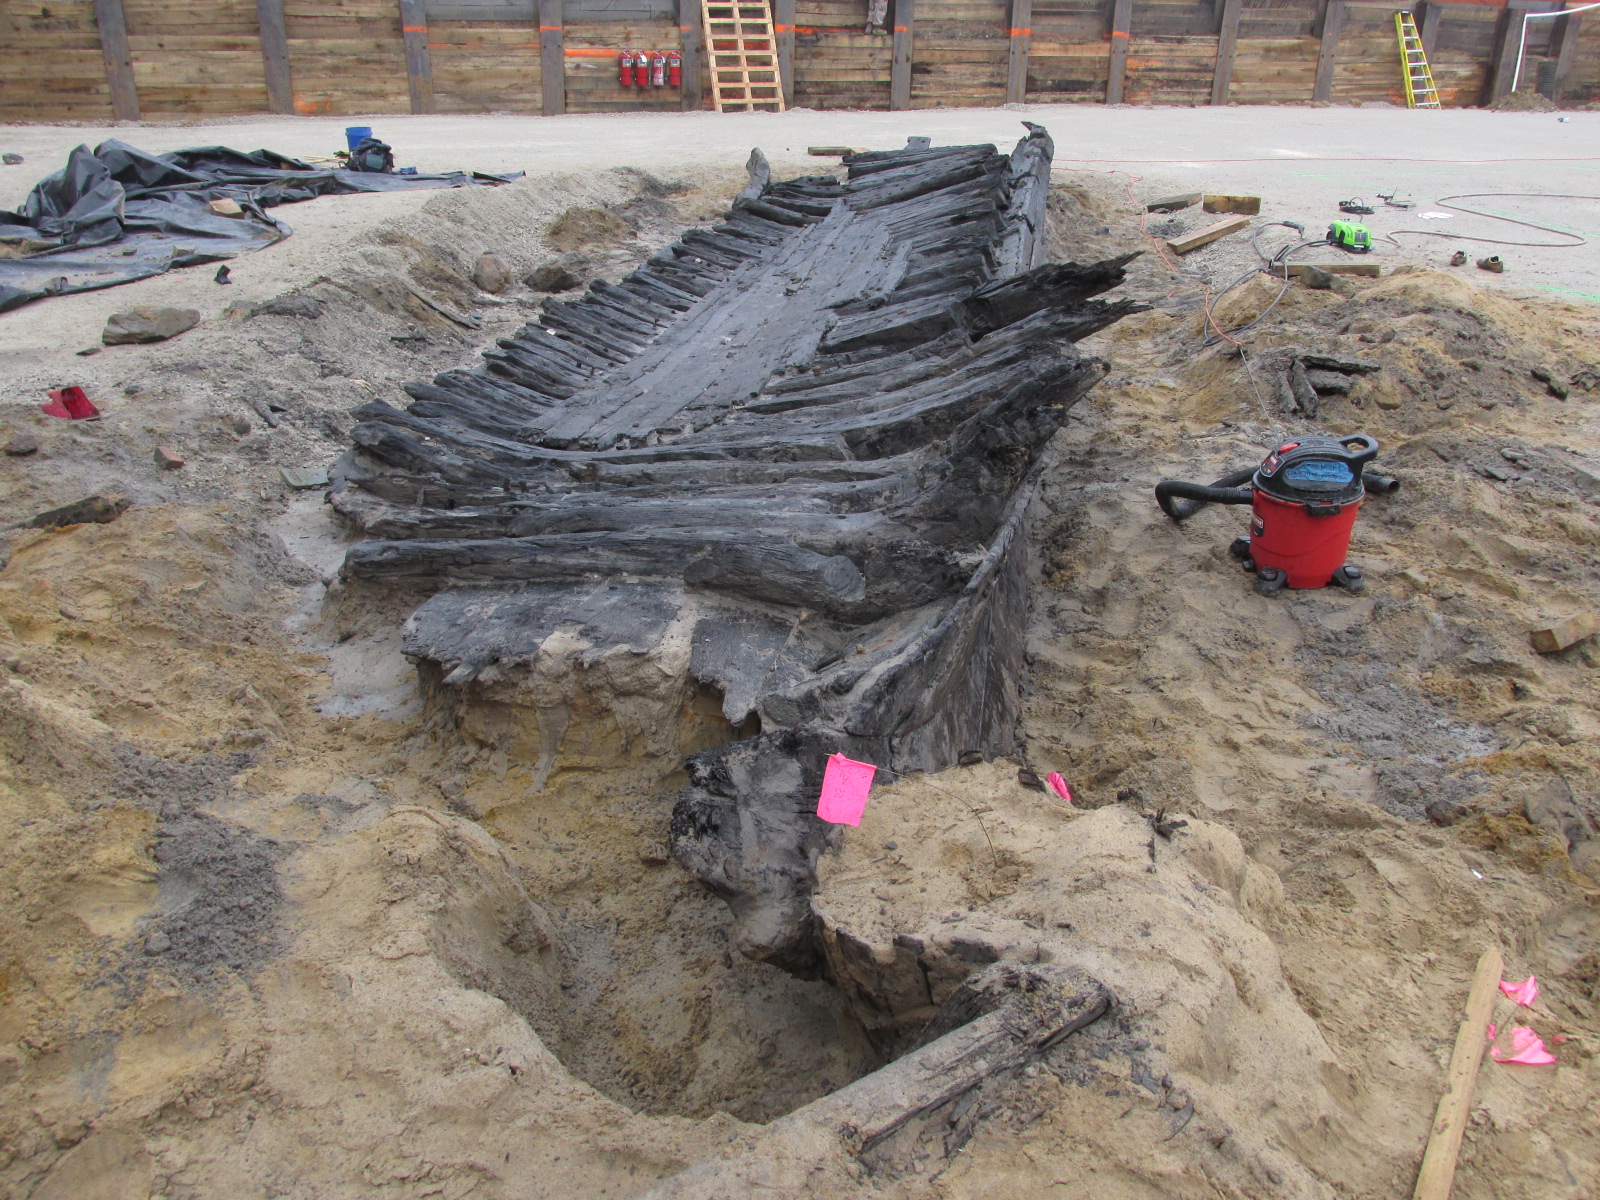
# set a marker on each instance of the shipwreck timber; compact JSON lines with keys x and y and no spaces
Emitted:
{"x":806,"y":439}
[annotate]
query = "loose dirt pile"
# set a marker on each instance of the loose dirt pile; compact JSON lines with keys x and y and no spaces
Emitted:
{"x":288,"y":924}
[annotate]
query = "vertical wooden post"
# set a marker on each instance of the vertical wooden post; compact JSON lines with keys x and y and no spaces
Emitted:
{"x":1227,"y":45}
{"x":419,"y":65}
{"x":1017,"y":66}
{"x":905,"y":16}
{"x":553,"y":58}
{"x":1432,"y":17}
{"x":275,"y":55}
{"x":1566,"y":39}
{"x":783,"y":27}
{"x":119,"y":62}
{"x":1121,"y":27}
{"x":1508,"y":40}
{"x":690,"y":31}
{"x":1328,"y":57}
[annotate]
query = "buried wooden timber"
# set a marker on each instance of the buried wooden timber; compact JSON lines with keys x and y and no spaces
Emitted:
{"x":808,"y":437}
{"x":997,"y":1021}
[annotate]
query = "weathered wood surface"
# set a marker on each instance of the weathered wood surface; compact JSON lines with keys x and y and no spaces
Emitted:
{"x":809,"y":428}
{"x":997,"y":1021}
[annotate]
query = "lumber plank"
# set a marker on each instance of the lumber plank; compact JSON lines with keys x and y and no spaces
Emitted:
{"x":1328,"y":52}
{"x":1249,"y":206}
{"x":1566,"y":39}
{"x":552,"y":60}
{"x":900,"y":67}
{"x":1204,"y":237}
{"x":1227,"y":47}
{"x":1121,"y":34}
{"x":1021,"y":32}
{"x":1455,"y":1105}
{"x":108,"y":16}
{"x":783,"y":29}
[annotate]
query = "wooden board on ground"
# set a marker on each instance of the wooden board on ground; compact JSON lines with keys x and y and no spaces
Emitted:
{"x":1204,"y":237}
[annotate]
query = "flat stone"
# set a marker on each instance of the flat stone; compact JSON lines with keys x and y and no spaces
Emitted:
{"x":11,"y":160}
{"x":22,"y":447}
{"x":491,"y":273}
{"x":134,"y":325}
{"x":167,"y":459}
{"x":304,"y":479}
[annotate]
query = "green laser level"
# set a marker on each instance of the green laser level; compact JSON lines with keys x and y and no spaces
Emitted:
{"x":1350,"y":235}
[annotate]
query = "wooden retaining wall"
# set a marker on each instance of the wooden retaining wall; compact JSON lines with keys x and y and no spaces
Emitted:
{"x":97,"y":60}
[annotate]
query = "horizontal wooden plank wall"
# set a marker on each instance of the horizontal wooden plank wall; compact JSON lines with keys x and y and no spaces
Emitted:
{"x":837,"y":64}
{"x":51,"y":68}
{"x":1070,"y":52}
{"x":348,"y":57}
{"x":959,"y":54}
{"x":1172,"y":52}
{"x":1277,"y":58}
{"x":485,"y":66}
{"x":198,"y":58}
{"x":1582,"y":82}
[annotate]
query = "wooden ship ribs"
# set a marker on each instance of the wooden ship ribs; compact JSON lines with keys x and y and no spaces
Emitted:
{"x":809,"y":433}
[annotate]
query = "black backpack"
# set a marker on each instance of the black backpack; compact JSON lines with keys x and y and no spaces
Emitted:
{"x":372,"y":156}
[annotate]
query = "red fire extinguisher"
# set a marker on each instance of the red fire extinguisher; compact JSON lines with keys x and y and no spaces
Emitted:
{"x":658,"y":69}
{"x":641,"y":68}
{"x":625,"y":68}
{"x":674,"y":68}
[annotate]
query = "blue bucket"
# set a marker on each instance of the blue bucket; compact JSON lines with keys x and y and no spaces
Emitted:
{"x":354,"y":135}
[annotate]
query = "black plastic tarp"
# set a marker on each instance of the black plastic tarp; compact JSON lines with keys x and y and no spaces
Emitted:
{"x":114,"y":214}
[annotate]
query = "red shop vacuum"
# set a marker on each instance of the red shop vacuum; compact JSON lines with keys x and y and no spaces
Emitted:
{"x":1304,"y":498}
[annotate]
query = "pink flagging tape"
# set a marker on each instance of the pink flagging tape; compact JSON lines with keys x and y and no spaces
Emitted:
{"x":1059,"y":786}
{"x":1527,"y":1049}
{"x":1524,"y":993}
{"x":845,"y":785}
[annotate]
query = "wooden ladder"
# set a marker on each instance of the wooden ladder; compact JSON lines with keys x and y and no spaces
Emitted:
{"x":744,"y":56}
{"x":1420,"y":92}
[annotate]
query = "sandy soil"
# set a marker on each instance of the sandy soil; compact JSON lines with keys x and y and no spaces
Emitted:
{"x":287,"y":924}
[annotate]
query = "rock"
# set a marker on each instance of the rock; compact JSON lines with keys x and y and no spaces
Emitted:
{"x":241,"y":426}
{"x":1542,"y":374}
{"x":226,"y":208}
{"x":552,"y":277}
{"x":1387,"y":400}
{"x":157,"y":943}
{"x":306,"y":479}
{"x":96,"y":510}
{"x":1559,"y":391}
{"x":654,"y":854}
{"x":1564,"y":633}
{"x":11,"y":160}
{"x":290,"y":305}
{"x":167,"y":459}
{"x":133,"y":325}
{"x":89,"y":350}
{"x":1330,"y":381}
{"x":491,"y":273}
{"x":1350,"y":366}
{"x":1316,"y":278}
{"x":21,"y":447}
{"x":578,"y":228}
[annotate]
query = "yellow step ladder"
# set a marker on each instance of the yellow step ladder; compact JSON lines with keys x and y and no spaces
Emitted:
{"x":1420,"y":92}
{"x":744,"y":56}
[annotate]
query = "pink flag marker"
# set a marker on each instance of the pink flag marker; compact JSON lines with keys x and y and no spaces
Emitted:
{"x":1058,"y":785}
{"x":1527,"y":1049}
{"x":1524,"y":993}
{"x":845,"y":784}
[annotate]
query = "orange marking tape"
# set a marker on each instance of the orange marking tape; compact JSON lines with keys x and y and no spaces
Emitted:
{"x":551,"y":28}
{"x":413,"y":29}
{"x":902,"y":29}
{"x":1021,"y":32}
{"x":1119,"y":33}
